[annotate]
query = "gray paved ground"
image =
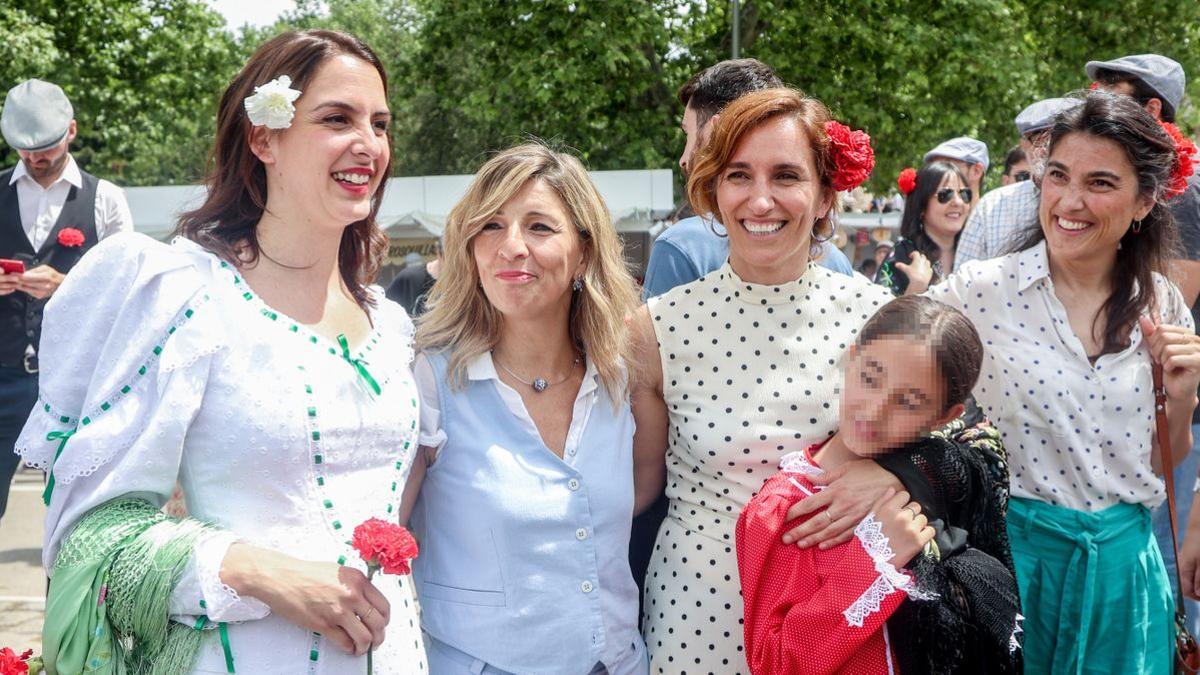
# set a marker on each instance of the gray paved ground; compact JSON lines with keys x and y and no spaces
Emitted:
{"x":22,"y":583}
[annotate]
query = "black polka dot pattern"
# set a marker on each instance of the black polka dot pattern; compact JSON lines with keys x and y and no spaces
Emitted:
{"x":750,"y":373}
{"x":1078,"y":434}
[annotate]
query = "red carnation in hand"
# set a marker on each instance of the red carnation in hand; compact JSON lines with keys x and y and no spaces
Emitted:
{"x":12,"y":664}
{"x":907,"y":181}
{"x":385,"y":546}
{"x":69,"y":236}
{"x":853,"y":157}
{"x":1185,"y":164}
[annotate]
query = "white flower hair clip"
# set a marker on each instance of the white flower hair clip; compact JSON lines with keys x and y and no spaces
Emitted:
{"x":271,"y":104}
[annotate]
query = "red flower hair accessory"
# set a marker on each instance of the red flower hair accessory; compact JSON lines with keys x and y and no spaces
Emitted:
{"x":385,"y":546}
{"x":907,"y":181}
{"x":1185,"y":165}
{"x":13,"y":664}
{"x":1094,"y":86}
{"x":853,"y":157}
{"x":70,"y":237}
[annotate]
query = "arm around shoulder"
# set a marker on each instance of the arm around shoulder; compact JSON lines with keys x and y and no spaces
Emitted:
{"x":649,"y":412}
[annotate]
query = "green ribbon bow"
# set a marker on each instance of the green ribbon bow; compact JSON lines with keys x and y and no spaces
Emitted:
{"x":62,"y":437}
{"x":360,"y":365}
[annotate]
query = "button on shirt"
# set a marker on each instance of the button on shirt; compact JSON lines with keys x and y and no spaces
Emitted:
{"x":517,"y":541}
{"x":996,"y":222}
{"x":40,"y":207}
{"x":1077,"y":435}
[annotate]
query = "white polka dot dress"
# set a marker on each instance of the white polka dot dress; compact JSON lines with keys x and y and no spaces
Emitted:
{"x":750,"y":373}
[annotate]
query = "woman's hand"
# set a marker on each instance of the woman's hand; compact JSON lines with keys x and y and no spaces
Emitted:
{"x":919,"y":271}
{"x":1178,"y":350}
{"x":336,"y":601}
{"x":851,"y":490}
{"x":906,"y":528}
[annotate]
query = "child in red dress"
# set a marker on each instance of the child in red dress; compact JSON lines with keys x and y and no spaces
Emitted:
{"x":825,"y":611}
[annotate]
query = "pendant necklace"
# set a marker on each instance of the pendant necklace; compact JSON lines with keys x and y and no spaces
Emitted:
{"x":538,"y":384}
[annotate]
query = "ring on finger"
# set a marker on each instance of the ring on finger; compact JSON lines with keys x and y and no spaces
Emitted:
{"x":828,"y":515}
{"x":912,"y":511}
{"x":370,"y":611}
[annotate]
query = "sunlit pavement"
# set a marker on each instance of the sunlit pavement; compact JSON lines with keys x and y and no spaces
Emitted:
{"x":22,"y":582}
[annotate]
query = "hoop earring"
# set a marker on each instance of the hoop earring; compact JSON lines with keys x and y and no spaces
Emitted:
{"x":1137,"y":227}
{"x":577,"y":285}
{"x":832,"y":231}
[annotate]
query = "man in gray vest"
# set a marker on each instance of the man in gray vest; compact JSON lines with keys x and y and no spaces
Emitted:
{"x":51,"y":213}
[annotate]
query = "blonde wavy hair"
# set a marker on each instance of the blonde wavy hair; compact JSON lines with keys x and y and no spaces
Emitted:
{"x":461,"y":320}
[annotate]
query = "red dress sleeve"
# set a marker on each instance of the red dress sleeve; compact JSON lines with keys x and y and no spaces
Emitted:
{"x":808,"y":610}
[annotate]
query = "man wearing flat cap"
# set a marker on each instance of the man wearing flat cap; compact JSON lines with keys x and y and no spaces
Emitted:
{"x":1006,"y":211}
{"x":51,"y":213}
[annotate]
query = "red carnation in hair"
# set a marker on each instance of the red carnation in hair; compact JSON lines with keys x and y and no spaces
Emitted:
{"x":385,"y":545}
{"x":853,"y":157}
{"x":907,"y":181}
{"x":1094,"y":86}
{"x":69,"y":236}
{"x":1185,"y":165}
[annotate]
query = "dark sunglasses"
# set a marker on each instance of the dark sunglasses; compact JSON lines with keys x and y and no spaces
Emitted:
{"x":946,"y":194}
{"x":1021,"y":175}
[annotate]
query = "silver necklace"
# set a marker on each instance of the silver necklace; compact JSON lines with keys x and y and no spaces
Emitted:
{"x":539,"y":384}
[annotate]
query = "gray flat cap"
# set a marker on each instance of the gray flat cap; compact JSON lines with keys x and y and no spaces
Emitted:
{"x":1040,"y":116}
{"x":36,"y":116}
{"x":964,"y":149}
{"x":1161,"y":74}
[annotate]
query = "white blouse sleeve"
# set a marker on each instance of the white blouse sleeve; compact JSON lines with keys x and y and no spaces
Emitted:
{"x":127,"y":342}
{"x":432,"y":433}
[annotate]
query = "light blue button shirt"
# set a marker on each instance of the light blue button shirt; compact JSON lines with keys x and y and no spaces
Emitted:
{"x":524,"y":555}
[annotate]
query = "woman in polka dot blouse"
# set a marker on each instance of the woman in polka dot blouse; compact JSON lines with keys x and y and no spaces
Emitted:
{"x":1070,"y":324}
{"x":747,"y":362}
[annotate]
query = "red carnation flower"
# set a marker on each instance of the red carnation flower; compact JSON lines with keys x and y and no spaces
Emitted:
{"x":853,"y":157}
{"x":1094,"y":86}
{"x":69,"y":236}
{"x":385,"y":546}
{"x":12,"y":664}
{"x":907,"y":182}
{"x":1185,"y":164}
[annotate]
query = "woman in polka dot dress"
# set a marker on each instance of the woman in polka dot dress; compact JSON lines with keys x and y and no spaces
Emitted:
{"x":1070,"y":324}
{"x":747,"y":361}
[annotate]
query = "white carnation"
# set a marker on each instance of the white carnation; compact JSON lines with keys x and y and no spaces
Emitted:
{"x":271,"y":104}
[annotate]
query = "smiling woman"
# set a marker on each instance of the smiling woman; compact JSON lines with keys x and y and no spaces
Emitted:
{"x":251,"y":362}
{"x":934,"y":215}
{"x":744,"y":364}
{"x":1071,"y":324}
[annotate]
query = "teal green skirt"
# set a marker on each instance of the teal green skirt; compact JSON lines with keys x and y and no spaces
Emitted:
{"x":1094,"y":591}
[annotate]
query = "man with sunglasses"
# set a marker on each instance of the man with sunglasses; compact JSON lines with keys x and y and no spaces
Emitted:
{"x":1006,"y":211}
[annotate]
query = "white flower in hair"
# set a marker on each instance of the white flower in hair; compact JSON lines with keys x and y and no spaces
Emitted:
{"x":271,"y":104}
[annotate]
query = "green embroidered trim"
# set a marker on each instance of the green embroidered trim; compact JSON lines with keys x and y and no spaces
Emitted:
{"x":108,"y":402}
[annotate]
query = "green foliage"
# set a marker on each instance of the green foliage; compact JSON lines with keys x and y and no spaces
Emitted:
{"x":589,"y":75}
{"x":469,"y":77}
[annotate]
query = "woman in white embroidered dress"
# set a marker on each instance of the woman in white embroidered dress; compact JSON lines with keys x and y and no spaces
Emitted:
{"x":250,"y":361}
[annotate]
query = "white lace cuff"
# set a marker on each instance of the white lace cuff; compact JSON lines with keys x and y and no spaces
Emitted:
{"x":201,"y":592}
{"x":870,"y":534}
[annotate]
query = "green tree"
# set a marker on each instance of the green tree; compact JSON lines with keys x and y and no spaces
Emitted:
{"x":589,"y":75}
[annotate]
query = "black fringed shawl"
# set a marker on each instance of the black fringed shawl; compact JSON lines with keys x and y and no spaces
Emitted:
{"x":960,"y":478}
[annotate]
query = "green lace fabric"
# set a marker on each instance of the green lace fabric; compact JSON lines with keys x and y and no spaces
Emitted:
{"x":109,"y":602}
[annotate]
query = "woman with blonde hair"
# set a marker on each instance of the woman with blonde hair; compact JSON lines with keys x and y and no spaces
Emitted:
{"x":745,"y":363}
{"x":523,"y":487}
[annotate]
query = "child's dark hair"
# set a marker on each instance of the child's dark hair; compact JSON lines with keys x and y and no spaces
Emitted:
{"x":957,"y":348}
